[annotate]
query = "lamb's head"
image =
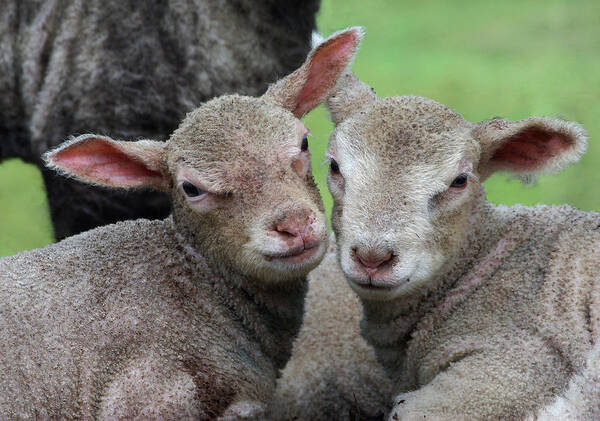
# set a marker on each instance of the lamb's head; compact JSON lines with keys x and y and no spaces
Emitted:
{"x":406,"y":174}
{"x":238,"y":170}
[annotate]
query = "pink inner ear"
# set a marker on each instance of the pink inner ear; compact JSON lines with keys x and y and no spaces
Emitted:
{"x":530,"y":149}
{"x":102,"y":162}
{"x":326,"y":65}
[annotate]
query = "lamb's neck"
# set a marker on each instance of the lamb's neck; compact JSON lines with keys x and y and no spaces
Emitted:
{"x":270,"y":313}
{"x":273,"y":315}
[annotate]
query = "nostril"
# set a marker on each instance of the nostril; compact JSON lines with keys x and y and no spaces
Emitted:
{"x":287,"y":231}
{"x":299,"y":224}
{"x":373,"y":260}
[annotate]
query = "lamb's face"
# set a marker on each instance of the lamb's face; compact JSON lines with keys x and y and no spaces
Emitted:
{"x":243,"y":190}
{"x":403,"y":177}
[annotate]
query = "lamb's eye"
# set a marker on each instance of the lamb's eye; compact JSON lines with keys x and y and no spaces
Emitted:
{"x":190,"y":190}
{"x":334,"y":167}
{"x":304,"y":146}
{"x":460,"y":182}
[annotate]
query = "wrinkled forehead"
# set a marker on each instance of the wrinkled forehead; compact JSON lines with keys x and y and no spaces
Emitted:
{"x":236,"y":136}
{"x":400,"y":133}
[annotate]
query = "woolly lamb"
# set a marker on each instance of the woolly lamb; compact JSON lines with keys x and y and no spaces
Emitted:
{"x":187,"y":317}
{"x":476,"y":311}
{"x":131,"y":69}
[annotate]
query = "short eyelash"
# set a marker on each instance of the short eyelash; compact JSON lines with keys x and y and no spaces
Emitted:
{"x":328,"y":158}
{"x":472,"y":176}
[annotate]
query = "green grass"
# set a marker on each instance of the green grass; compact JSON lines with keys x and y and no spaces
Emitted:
{"x":24,"y":218}
{"x":484,"y":59}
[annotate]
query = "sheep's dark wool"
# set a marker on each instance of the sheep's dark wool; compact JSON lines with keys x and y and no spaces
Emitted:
{"x":131,"y":70}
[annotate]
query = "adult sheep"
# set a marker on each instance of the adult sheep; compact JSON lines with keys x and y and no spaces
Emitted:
{"x":130,"y":69}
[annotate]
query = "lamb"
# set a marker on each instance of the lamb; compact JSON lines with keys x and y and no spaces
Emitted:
{"x":187,"y":317}
{"x":475,"y":311}
{"x":131,"y":69}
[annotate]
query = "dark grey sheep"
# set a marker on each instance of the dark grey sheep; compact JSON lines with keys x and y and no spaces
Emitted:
{"x":131,"y":69}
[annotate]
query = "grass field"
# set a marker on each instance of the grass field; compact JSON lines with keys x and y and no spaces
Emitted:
{"x":482,"y":58}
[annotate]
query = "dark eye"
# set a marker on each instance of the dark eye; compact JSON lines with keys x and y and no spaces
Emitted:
{"x":460,"y":181}
{"x":190,"y":190}
{"x":334,"y":167}
{"x":304,"y":146}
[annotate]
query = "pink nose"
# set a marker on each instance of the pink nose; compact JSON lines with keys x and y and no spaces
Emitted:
{"x":298,"y":229}
{"x":372,"y":260}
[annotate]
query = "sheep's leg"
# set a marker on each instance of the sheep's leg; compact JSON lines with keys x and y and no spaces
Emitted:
{"x":152,"y":388}
{"x":581,"y":400}
{"x":491,"y":384}
{"x":14,"y":135}
{"x":244,"y":410}
{"x":571,"y":317}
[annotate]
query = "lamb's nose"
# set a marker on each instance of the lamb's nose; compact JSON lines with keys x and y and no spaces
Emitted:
{"x":298,"y":229}
{"x":373,"y":260}
{"x":288,"y":228}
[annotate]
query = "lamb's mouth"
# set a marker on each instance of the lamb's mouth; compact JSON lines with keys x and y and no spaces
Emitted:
{"x":374,"y":286}
{"x":294,"y":256}
{"x":373,"y":289}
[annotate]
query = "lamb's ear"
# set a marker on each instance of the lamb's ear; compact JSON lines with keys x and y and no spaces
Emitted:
{"x":349,"y":96}
{"x":528,"y":147}
{"x":311,"y":83}
{"x":106,"y":162}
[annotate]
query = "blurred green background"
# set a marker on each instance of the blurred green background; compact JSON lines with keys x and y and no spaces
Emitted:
{"x":512,"y":58}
